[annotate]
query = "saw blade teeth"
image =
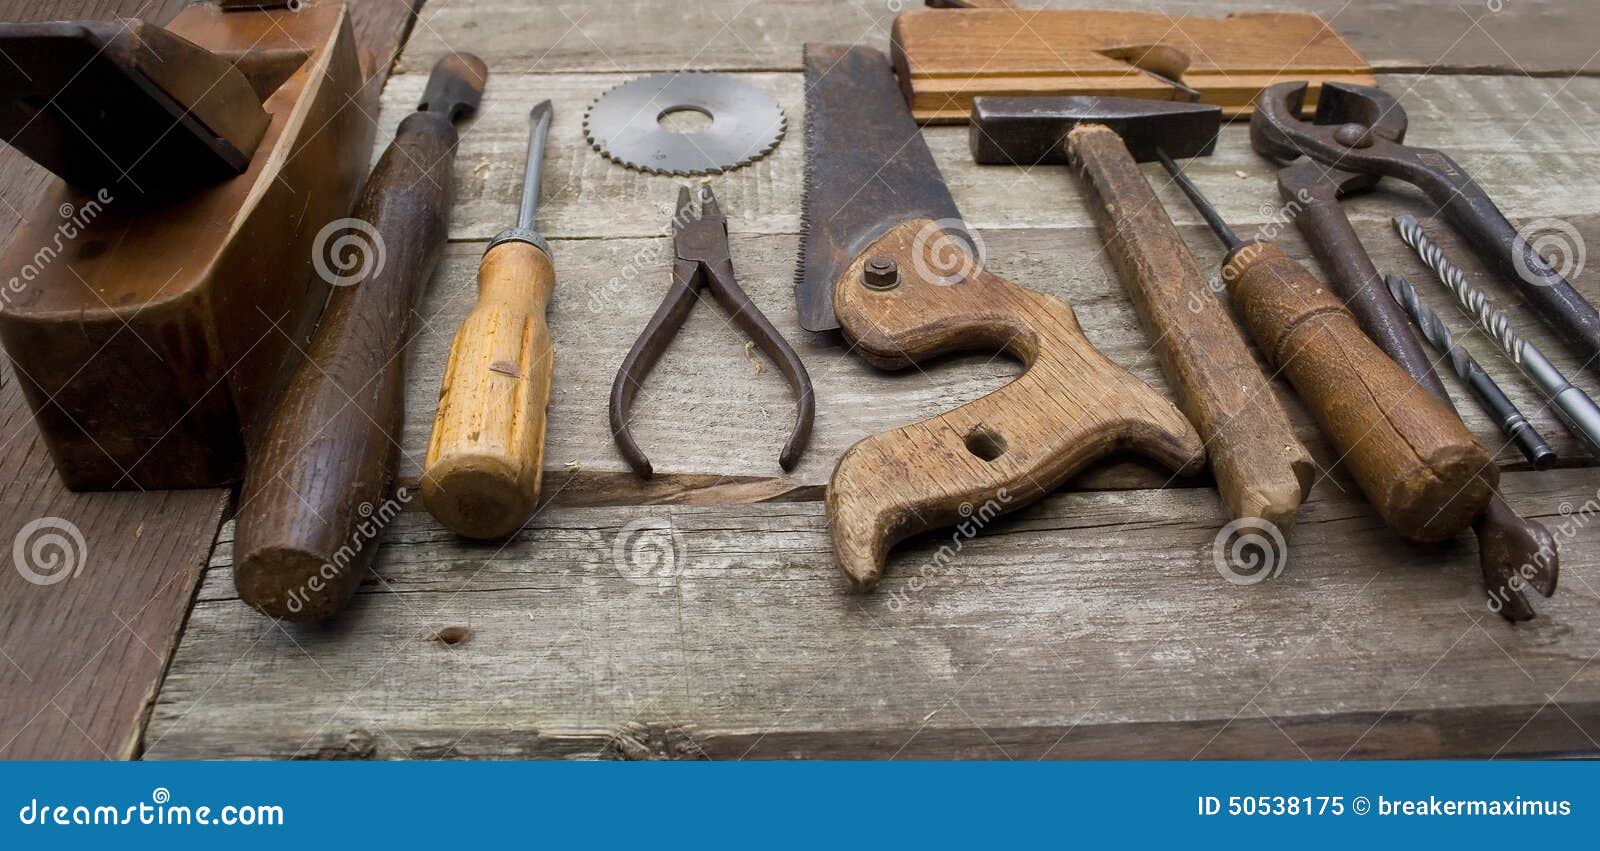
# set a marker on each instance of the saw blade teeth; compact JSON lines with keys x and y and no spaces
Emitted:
{"x":622,"y":123}
{"x":808,"y":136}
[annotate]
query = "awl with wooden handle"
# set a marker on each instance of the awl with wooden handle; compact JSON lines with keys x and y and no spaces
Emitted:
{"x":1261,"y":468}
{"x":481,"y":476}
{"x":1419,"y":466}
{"x":314,"y":494}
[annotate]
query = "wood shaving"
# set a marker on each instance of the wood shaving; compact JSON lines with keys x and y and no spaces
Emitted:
{"x":750,"y":353}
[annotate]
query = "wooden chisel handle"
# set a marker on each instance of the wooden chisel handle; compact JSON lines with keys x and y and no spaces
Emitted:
{"x":1423,"y":471}
{"x":316,"y":496}
{"x":1262,"y":470}
{"x":481,"y":476}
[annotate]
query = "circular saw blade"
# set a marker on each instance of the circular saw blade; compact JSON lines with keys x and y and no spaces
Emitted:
{"x":624,"y":124}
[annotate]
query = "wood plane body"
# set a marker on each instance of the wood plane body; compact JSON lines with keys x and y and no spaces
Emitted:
{"x":151,"y":331}
{"x":946,"y":57}
{"x":999,"y":453}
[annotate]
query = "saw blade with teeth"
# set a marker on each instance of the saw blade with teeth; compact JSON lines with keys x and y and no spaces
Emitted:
{"x":624,"y":124}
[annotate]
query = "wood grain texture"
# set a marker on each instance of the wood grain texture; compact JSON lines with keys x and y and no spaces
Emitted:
{"x":328,"y":454}
{"x":723,"y":452}
{"x":552,"y":36}
{"x":83,"y":658}
{"x":486,"y":453}
{"x":1260,"y":466}
{"x":1089,"y":625}
{"x":999,"y":453}
{"x":1418,"y":464}
{"x":1481,"y":121}
{"x":153,"y":343}
{"x":945,"y":59}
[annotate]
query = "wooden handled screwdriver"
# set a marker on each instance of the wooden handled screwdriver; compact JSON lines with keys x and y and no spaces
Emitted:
{"x":314,"y":493}
{"x":1419,"y":466}
{"x":481,"y":476}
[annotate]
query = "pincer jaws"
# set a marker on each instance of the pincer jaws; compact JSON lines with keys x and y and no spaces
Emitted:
{"x":1278,"y":131}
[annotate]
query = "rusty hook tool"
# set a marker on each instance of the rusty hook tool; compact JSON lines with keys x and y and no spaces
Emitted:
{"x":700,"y":243}
{"x":1508,"y":545}
{"x":1358,"y":129}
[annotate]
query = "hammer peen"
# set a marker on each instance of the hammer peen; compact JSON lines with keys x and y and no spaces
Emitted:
{"x":1261,"y":468}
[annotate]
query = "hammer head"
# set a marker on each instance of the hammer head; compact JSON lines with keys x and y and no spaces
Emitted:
{"x":1033,"y":130}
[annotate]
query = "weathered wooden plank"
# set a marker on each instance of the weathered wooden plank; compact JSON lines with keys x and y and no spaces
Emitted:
{"x":1090,"y":625}
{"x":1554,"y":37}
{"x":713,"y":426}
{"x":81,"y":657}
{"x":1532,"y":168}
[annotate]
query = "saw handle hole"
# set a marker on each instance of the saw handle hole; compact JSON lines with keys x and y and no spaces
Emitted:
{"x":985,"y":444}
{"x":684,"y":119}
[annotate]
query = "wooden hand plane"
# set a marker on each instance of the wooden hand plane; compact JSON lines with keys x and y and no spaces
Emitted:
{"x":152,"y":301}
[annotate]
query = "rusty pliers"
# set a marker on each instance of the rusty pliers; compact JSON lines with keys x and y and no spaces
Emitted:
{"x":1359,"y":131}
{"x":700,"y":243}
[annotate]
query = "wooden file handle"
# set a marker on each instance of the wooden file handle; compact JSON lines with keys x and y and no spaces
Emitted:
{"x":1262,"y":470}
{"x":999,"y":453}
{"x":481,"y":476}
{"x":1423,"y":471}
{"x":315,"y":493}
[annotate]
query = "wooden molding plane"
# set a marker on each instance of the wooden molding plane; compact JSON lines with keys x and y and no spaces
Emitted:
{"x":946,"y":57}
{"x":154,"y":300}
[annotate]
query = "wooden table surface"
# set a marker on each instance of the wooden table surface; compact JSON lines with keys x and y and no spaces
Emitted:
{"x":700,"y":615}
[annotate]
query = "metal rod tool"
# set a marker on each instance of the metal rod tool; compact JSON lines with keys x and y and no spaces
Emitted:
{"x":1418,"y":465}
{"x":1576,"y":409}
{"x":486,"y":455}
{"x":1488,"y":393}
{"x":1261,"y":468}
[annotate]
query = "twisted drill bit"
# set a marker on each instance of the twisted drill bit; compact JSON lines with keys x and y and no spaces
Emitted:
{"x":1488,"y":393}
{"x":1577,"y":410}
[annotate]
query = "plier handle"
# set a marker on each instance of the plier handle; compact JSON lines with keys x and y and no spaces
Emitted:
{"x":700,"y":243}
{"x":1359,"y":130}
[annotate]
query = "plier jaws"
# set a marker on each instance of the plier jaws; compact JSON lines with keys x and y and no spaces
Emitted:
{"x":702,"y":261}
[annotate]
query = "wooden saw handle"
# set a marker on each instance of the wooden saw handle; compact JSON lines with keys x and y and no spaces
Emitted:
{"x":1070,"y":406}
{"x":1262,"y":470}
{"x":481,"y":475}
{"x":1419,"y":466}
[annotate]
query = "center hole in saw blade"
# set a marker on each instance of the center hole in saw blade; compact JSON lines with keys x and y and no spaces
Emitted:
{"x":685,"y":119}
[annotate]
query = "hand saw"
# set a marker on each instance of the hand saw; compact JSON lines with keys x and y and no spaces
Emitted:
{"x":886,"y":258}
